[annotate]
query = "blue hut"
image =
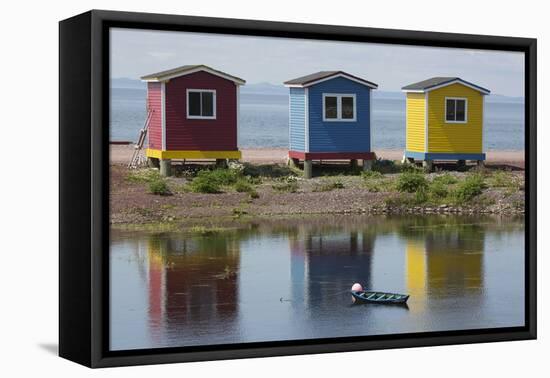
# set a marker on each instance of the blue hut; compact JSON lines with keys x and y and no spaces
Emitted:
{"x":330,"y":119}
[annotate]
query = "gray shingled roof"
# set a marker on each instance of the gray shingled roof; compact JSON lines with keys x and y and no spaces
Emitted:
{"x":308,"y":79}
{"x":426,"y":85}
{"x":182,"y":70}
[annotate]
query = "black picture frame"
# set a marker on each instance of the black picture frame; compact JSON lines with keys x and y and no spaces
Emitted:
{"x":84,"y":186}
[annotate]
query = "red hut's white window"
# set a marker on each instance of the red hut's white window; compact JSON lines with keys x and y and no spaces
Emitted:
{"x":201,"y":104}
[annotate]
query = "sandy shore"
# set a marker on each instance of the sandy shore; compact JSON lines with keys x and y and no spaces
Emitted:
{"x":122,"y":154}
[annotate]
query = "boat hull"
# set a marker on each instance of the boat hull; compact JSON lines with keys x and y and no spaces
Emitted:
{"x":379,"y":297}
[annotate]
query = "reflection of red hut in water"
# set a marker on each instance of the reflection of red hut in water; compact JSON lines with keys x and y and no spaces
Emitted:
{"x":193,"y":113}
{"x":191,"y":281}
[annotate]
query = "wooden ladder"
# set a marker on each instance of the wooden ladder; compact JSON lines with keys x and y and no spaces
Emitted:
{"x":137,"y":157}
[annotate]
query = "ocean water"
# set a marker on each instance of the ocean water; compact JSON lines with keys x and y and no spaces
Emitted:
{"x":290,"y":279}
{"x":264,"y":120}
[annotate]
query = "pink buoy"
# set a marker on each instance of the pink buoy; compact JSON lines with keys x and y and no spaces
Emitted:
{"x":357,"y":287}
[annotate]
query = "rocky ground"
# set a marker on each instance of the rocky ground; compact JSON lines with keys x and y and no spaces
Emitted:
{"x":132,"y":202}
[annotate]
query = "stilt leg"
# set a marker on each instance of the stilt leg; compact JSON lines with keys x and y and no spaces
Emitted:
{"x":166,"y":167}
{"x":308,"y":169}
{"x":428,"y":165}
{"x":221,"y":163}
{"x":153,"y":162}
{"x":367,"y":165}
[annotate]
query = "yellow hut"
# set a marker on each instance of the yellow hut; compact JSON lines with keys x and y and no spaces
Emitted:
{"x":444,"y":120}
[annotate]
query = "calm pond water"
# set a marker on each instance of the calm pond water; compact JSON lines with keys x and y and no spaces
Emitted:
{"x":288,"y":279}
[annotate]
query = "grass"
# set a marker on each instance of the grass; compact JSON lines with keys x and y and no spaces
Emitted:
{"x":328,"y":185}
{"x":288,"y":187}
{"x":203,"y":230}
{"x":371,"y":175}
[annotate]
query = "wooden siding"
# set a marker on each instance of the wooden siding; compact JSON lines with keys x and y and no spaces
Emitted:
{"x":416,"y":122}
{"x":339,"y":136}
{"x":184,"y":134}
{"x":297,"y":121}
{"x":155,"y":126}
{"x":455,"y":137}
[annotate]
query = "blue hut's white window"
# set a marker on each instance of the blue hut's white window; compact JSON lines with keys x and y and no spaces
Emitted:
{"x":201,"y":104}
{"x":456,"y":110}
{"x":339,"y":107}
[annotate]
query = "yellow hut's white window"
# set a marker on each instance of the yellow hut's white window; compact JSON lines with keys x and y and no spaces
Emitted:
{"x":456,"y":110}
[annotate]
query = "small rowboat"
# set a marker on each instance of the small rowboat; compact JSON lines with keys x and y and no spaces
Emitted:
{"x":379,"y":297}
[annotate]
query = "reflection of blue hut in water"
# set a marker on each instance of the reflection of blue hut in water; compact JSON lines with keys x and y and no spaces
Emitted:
{"x":328,"y":262}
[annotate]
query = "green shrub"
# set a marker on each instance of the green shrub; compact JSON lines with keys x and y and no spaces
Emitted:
{"x":211,"y":181}
{"x":446,"y":179}
{"x":329,"y":185}
{"x":289,"y":187}
{"x":159,"y":187}
{"x":471,"y":187}
{"x":219,"y":176}
{"x":203,"y":185}
{"x":421,"y":196}
{"x":501,"y":179}
{"x":411,"y":168}
{"x":411,"y":182}
{"x":143,"y":175}
{"x":438,"y":189}
{"x":254,"y":194}
{"x":243,"y":186}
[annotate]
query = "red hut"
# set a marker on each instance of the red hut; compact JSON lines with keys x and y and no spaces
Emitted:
{"x":193,"y":113}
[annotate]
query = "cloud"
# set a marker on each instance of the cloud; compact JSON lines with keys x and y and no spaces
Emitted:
{"x":265,"y":59}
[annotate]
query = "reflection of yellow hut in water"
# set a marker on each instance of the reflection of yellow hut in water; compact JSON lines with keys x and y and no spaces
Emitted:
{"x":416,"y":267}
{"x":448,"y":261}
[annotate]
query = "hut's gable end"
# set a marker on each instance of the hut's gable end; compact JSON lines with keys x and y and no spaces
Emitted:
{"x":448,"y":137}
{"x":297,"y":122}
{"x":191,"y":134}
{"x":416,"y":122}
{"x":339,"y":136}
{"x":154,"y":104}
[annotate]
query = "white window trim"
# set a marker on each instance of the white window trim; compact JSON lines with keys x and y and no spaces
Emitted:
{"x":339,"y":107}
{"x":465,"y":109}
{"x":213,"y":116}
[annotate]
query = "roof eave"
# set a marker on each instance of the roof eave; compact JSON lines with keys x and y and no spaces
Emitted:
{"x":165,"y":78}
{"x":442,"y":85}
{"x":314,"y":82}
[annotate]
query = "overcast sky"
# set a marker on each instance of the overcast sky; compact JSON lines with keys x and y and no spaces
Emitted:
{"x":135,"y":53}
